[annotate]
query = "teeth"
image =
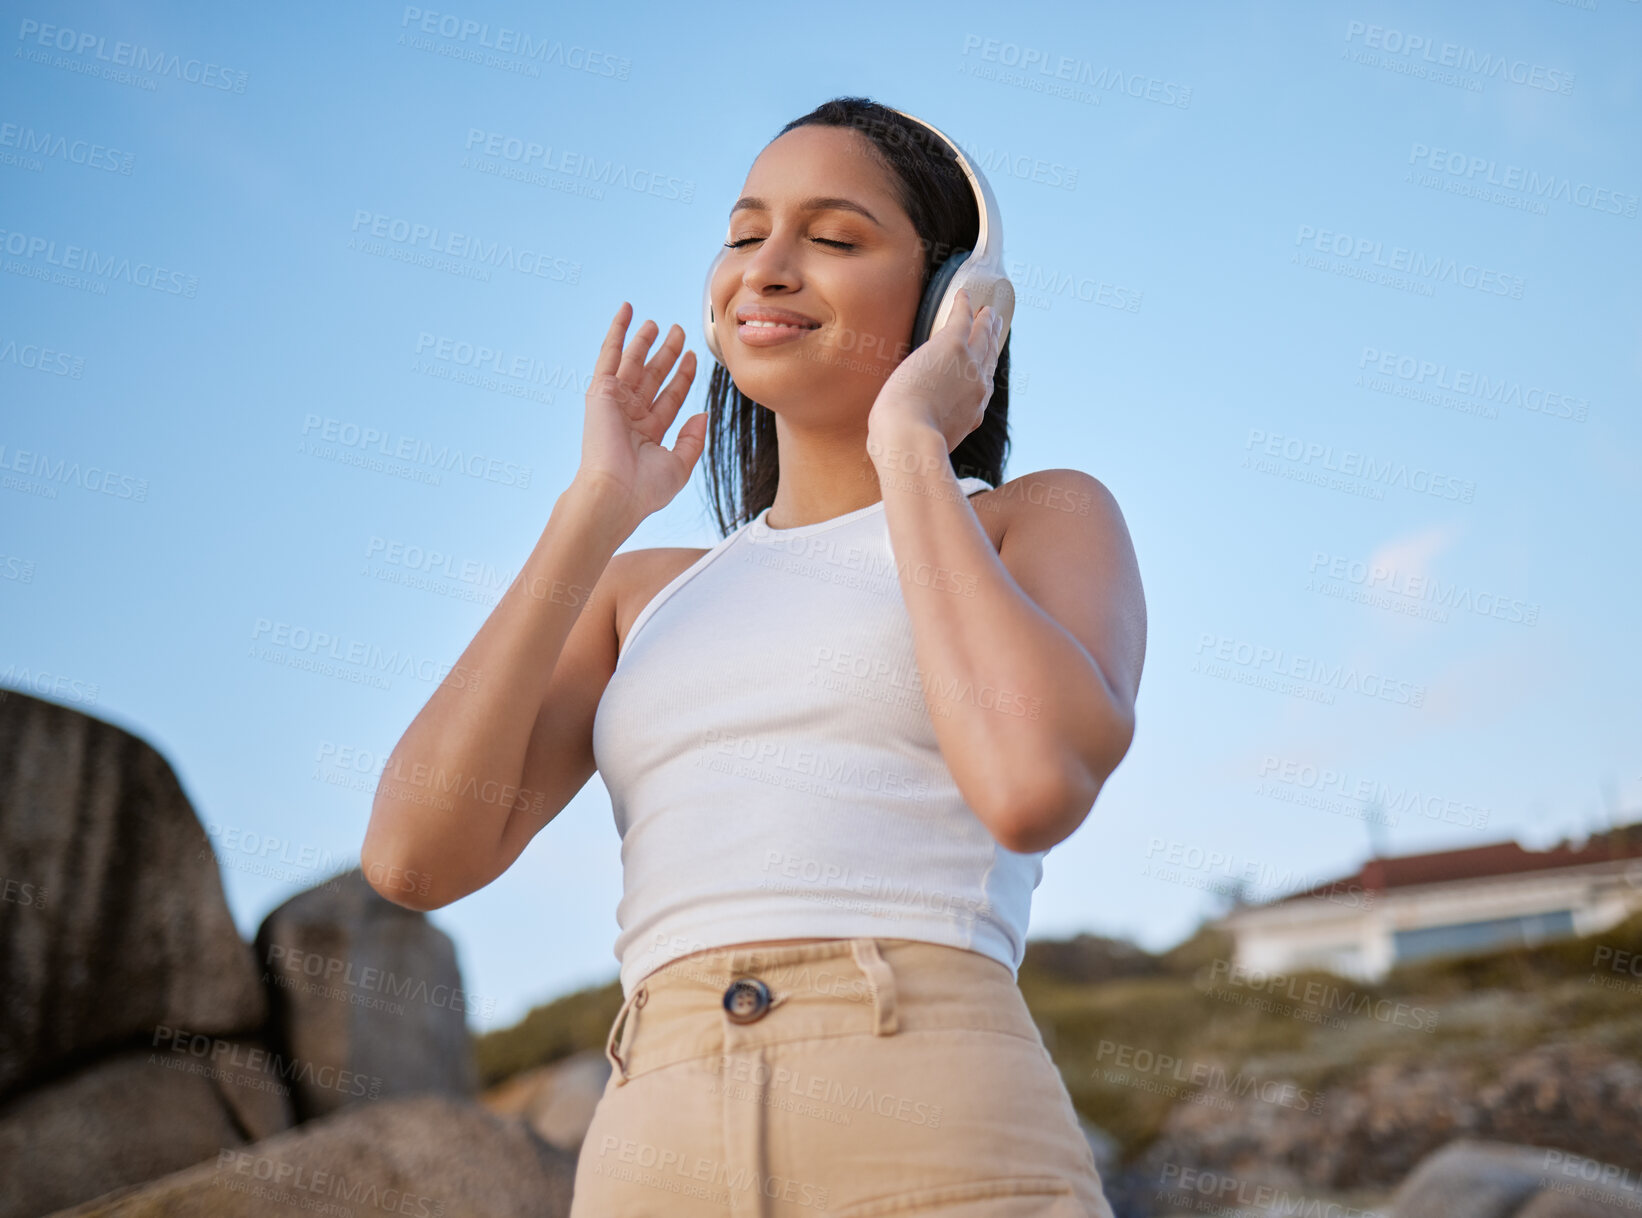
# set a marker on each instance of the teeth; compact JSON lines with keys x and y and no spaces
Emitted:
{"x":767,"y":324}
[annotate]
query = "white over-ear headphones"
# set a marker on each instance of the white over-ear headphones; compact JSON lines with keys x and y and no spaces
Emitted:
{"x":980,"y":270}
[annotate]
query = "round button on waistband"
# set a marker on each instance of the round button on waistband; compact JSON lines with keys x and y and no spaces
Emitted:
{"x":746,"y":999}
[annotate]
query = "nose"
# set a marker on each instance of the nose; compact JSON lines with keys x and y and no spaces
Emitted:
{"x":768,"y":269}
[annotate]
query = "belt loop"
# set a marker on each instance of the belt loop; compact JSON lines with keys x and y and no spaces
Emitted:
{"x":632,"y":1002}
{"x":882,"y":981}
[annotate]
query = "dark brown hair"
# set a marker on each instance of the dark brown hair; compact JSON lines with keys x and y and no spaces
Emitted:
{"x":741,"y":461}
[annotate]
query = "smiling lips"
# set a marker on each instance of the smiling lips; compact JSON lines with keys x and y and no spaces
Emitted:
{"x":764,"y":326}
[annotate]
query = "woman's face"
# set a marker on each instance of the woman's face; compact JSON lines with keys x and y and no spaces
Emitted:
{"x":800,"y":246}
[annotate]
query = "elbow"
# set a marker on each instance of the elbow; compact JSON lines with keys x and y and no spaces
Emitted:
{"x":391,"y":867}
{"x":1036,"y":819}
{"x":1043,"y":806}
{"x":406,"y":886}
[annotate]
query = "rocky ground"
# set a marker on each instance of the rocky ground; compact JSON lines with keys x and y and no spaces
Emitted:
{"x":152,"y":1062}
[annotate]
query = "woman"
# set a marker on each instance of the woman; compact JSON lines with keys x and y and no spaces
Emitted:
{"x":837,"y":743}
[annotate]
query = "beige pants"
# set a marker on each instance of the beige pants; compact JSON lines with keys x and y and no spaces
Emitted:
{"x":866,"y":1077}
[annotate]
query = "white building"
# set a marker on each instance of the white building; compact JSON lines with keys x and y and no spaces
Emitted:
{"x":1449,"y":903}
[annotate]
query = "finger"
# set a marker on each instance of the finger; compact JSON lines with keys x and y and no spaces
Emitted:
{"x":656,"y":370}
{"x":692,"y":439}
{"x":984,"y":343}
{"x":672,"y":397}
{"x":610,"y":349}
{"x":632,"y":360}
{"x":980,"y":329}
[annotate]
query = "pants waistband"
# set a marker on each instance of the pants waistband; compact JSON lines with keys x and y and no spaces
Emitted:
{"x":836,"y":987}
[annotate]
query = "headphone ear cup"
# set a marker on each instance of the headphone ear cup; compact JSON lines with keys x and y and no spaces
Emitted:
{"x":934,"y":297}
{"x":707,"y":318}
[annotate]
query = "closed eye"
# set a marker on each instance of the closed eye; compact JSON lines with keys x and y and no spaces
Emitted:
{"x":843,"y":245}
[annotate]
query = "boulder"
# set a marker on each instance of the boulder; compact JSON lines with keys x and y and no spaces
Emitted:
{"x":556,"y":1100}
{"x":129,"y":1117}
{"x":1566,"y":1205}
{"x":1378,"y":1121}
{"x":428,"y":1156}
{"x":1473,"y":1179}
{"x":366,"y":999}
{"x":1580,"y":1187}
{"x":1105,"y":1148}
{"x":115,"y":922}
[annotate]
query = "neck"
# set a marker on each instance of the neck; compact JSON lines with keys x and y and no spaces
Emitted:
{"x":822,"y":475}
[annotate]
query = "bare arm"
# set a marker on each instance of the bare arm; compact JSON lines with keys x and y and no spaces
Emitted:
{"x":1031,"y":654}
{"x":450,"y":813}
{"x":453,"y":781}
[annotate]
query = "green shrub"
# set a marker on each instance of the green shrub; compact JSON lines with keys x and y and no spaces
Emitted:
{"x":564,"y":1026}
{"x":1517,"y":968}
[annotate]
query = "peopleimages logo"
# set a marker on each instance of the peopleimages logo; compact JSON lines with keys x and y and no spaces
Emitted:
{"x":126,"y":54}
{"x":1251,"y":874}
{"x":1529,"y":181}
{"x":99,"y":267}
{"x":801,"y":762}
{"x":430,"y":239}
{"x":1387,"y":798}
{"x":1493,"y":390}
{"x":994,"y":162}
{"x":38,"y":358}
{"x":1323,"y":996}
{"x":1434,"y":268}
{"x":505,"y":41}
{"x":1353,"y":464}
{"x":1204,"y":1076}
{"x":63,"y":472}
{"x":1078,"y":71}
{"x":84,"y":152}
{"x":1460,"y":57}
{"x":576,"y":163}
{"x":1417,"y":586}
{"x":1199,"y":1190}
{"x":1276,"y":662}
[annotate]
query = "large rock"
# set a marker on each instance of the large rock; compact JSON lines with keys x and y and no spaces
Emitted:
{"x":1564,"y":1205}
{"x":115,"y":922}
{"x":556,"y":1100}
{"x":1377,"y":1122}
{"x":1108,"y":1154}
{"x":366,"y":999}
{"x":1578,"y":1187}
{"x":131,"y":1117}
{"x":1472,"y":1179}
{"x":426,"y":1155}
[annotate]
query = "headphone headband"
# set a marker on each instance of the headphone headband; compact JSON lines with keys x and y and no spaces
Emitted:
{"x":989,"y":240}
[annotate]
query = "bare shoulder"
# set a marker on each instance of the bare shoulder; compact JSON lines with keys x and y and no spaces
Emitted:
{"x":637,"y":575}
{"x":1049,"y":495}
{"x":1069,"y":549}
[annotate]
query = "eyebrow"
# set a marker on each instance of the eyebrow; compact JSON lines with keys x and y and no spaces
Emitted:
{"x":813,"y":203}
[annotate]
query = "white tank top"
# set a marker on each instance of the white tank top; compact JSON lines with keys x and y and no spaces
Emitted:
{"x":772,"y":767}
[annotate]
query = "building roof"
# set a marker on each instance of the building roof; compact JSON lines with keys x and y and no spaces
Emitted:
{"x":1478,"y":863}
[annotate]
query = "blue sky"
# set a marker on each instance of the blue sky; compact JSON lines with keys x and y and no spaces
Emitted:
{"x":1340,"y":300}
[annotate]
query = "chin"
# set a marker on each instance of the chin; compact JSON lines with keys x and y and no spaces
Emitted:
{"x":775,"y":386}
{"x":801,"y":397}
{"x":787,"y":373}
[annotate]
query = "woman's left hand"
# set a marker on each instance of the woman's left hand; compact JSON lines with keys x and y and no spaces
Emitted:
{"x":946,"y":383}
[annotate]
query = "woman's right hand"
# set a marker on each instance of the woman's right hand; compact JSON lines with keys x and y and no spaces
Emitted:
{"x":626,"y":418}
